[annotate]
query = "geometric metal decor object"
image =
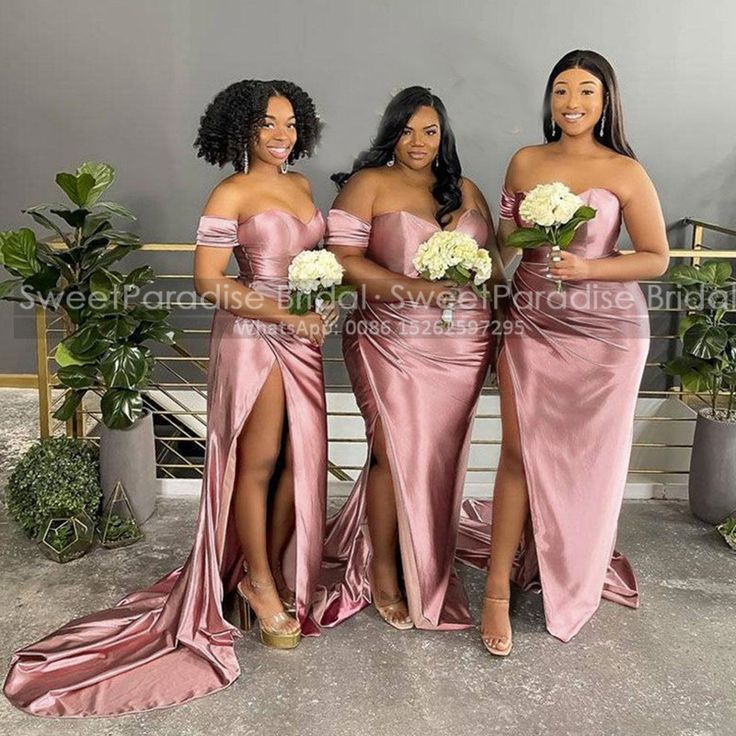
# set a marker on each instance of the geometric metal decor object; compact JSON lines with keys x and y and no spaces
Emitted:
{"x":66,"y":536}
{"x":118,"y":526}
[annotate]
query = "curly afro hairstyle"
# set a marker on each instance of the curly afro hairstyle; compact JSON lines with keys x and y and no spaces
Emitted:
{"x":232,"y":119}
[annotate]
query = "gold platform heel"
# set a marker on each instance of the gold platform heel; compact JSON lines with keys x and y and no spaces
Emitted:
{"x":269,"y":627}
{"x":496,"y":651}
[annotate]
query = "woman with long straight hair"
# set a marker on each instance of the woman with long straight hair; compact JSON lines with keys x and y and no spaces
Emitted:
{"x":570,"y":367}
{"x":417,"y":384}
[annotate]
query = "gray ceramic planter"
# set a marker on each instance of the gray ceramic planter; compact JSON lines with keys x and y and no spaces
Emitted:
{"x":712,"y":484}
{"x":128,"y":455}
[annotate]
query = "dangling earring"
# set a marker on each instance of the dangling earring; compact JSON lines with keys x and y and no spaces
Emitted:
{"x":285,"y":166}
{"x":436,"y":161}
{"x":245,"y":159}
{"x":392,"y":161}
{"x":603,"y":122}
{"x":554,"y":128}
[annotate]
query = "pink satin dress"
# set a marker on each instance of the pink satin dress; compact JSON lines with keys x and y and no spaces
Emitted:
{"x":423,"y":385}
{"x":169,"y":643}
{"x":576,"y":362}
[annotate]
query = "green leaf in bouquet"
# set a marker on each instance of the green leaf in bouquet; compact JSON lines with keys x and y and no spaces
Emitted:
{"x":526,"y":237}
{"x":120,"y":407}
{"x":77,"y":188}
{"x":458,"y":274}
{"x":69,"y":405}
{"x":300,"y":302}
{"x":19,"y":252}
{"x":125,"y":367}
{"x":102,"y":174}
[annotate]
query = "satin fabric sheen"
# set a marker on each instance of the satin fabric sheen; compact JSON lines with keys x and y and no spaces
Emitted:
{"x":169,"y":643}
{"x":424,"y":388}
{"x":576,"y":369}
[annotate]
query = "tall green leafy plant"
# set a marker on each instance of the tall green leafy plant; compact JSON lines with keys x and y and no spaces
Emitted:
{"x":707,"y":366}
{"x":106,"y":350}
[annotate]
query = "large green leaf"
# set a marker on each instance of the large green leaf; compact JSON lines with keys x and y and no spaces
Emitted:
{"x":19,"y":252}
{"x":124,"y":366}
{"x":103,"y":175}
{"x":64,"y":357}
{"x":78,"y":376}
{"x":688,"y":321}
{"x":74,"y":218}
{"x":77,"y":188}
{"x":117,"y":326}
{"x":704,"y":341}
{"x":120,"y":408}
{"x":685,"y":275}
{"x":48,"y":223}
{"x":159,"y":332}
{"x":140,"y":276}
{"x":149,"y":314}
{"x":116,"y":209}
{"x":86,"y":343}
{"x":44,"y":281}
{"x":69,"y":406}
{"x":715,"y":272}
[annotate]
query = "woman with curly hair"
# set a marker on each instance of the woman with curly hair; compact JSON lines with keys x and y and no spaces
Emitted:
{"x":417,"y":385}
{"x":263,"y":493}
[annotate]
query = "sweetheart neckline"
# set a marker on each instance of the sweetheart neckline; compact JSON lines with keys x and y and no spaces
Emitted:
{"x":434,"y":224}
{"x":284,"y":212}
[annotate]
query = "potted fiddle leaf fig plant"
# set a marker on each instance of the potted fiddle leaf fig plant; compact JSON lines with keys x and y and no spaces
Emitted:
{"x":707,"y":369}
{"x":107,"y":350}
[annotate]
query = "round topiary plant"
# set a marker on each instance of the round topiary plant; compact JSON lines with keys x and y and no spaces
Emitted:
{"x":55,"y":473}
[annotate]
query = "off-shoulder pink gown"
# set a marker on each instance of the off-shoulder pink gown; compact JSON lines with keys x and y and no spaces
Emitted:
{"x":423,"y":385}
{"x":169,"y":643}
{"x":576,"y":362}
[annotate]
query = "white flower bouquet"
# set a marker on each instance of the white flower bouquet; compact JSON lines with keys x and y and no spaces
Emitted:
{"x":315,"y":279}
{"x":555,"y":213}
{"x":453,"y":255}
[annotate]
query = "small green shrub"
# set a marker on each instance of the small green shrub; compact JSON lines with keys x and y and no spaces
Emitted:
{"x":56,"y":473}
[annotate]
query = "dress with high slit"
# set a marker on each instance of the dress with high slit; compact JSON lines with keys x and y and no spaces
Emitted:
{"x":575,"y":360}
{"x":422,"y":383}
{"x":169,"y":643}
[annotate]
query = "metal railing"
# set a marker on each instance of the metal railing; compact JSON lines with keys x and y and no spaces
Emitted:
{"x":170,"y":378}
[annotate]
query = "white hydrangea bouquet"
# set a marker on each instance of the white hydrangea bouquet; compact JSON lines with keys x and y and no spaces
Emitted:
{"x":315,"y":279}
{"x":453,"y":255}
{"x":555,"y":213}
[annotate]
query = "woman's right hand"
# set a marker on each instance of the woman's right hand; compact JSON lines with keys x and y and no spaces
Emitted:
{"x":309,"y":325}
{"x":444,"y":293}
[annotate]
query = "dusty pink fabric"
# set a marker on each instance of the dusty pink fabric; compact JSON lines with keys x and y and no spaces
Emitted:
{"x":576,"y":369}
{"x":424,"y":388}
{"x":169,"y":643}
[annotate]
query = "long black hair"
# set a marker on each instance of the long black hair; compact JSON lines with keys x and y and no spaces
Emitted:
{"x":231,"y":121}
{"x":613,"y":128}
{"x":446,"y":190}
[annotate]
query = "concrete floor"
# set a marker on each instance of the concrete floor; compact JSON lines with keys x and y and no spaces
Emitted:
{"x":667,"y":669}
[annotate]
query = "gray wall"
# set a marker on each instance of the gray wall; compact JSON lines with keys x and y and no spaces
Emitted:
{"x":127,"y":81}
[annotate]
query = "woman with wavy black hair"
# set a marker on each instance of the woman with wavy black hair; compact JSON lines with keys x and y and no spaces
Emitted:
{"x":263,"y":492}
{"x":417,"y":384}
{"x":569,"y":370}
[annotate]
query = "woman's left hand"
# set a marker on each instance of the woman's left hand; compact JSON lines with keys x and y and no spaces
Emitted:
{"x":569,"y":267}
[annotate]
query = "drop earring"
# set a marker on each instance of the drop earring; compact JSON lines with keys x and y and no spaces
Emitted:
{"x":245,"y":159}
{"x":603,"y":122}
{"x":553,"y":128}
{"x":436,"y":161}
{"x":392,"y":161}
{"x":285,"y":166}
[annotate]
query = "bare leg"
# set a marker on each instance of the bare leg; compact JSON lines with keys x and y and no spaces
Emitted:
{"x":383,"y":529}
{"x":281,"y":520}
{"x":258,"y":449}
{"x":510,"y":512}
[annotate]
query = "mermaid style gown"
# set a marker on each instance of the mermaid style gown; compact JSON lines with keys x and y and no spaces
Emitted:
{"x":424,"y":388}
{"x":169,"y":643}
{"x":576,"y":369}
